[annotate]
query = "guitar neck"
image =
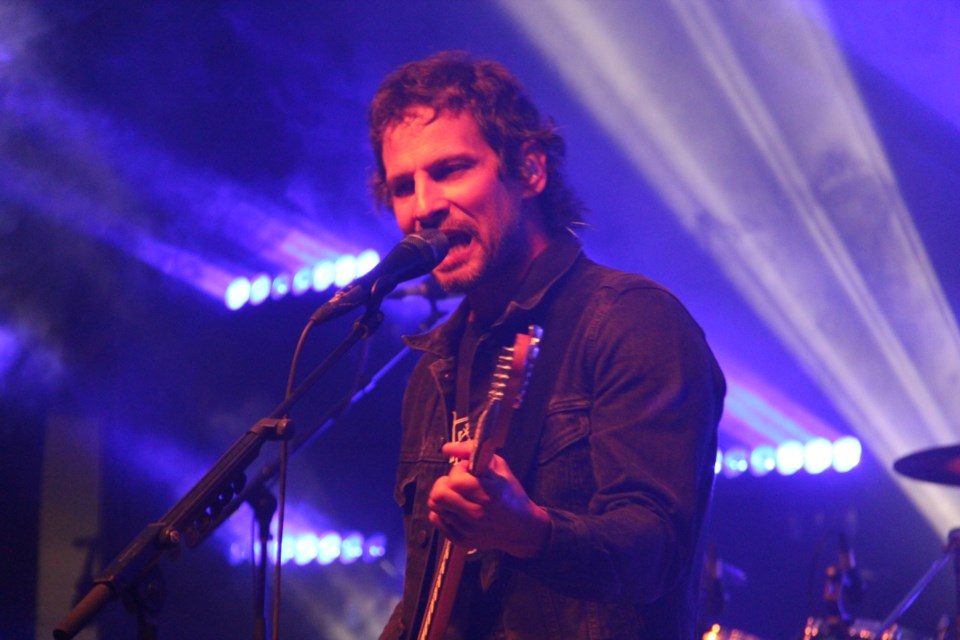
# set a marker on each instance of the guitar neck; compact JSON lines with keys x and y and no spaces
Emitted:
{"x":506,"y":395}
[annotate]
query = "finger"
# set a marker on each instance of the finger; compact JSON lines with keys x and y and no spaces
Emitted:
{"x":459,"y":450}
{"x":447,"y":499}
{"x":445,"y":527}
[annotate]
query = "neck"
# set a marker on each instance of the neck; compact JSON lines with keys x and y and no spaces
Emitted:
{"x":488,"y":299}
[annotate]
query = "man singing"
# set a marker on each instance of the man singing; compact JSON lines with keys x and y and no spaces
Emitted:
{"x":587,"y":524}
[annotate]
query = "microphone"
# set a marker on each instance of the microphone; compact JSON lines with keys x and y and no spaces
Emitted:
{"x":415,"y":255}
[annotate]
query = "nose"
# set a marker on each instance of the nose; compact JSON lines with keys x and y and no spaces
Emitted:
{"x":431,"y":204}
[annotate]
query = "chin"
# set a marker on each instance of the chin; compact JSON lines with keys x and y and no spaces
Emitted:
{"x":458,"y":280}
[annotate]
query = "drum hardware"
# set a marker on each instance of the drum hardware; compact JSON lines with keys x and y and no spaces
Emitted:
{"x":716,"y":578}
{"x":951,"y":552}
{"x":940,"y":465}
{"x":717,"y":632}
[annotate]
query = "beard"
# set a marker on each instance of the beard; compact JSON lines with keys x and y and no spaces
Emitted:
{"x":494,"y":258}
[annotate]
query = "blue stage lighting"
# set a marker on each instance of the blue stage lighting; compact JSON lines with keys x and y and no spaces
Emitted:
{"x":302,"y":280}
{"x":351,"y":549}
{"x":763,"y":460}
{"x":375,"y":547}
{"x":734,"y":462}
{"x":305,"y":549}
{"x":319,"y":277}
{"x":846,"y":453}
{"x":328,"y":547}
{"x":789,"y":457}
{"x":281,"y":286}
{"x":817,"y":455}
{"x":260,"y":288}
{"x":344,"y":270}
{"x":322,"y":276}
{"x":367,"y":261}
{"x":237,"y":294}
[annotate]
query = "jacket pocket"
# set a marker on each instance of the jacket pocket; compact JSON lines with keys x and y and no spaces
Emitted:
{"x":564,"y":473}
{"x":565,"y":425}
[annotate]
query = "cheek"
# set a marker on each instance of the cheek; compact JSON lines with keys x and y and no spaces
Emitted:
{"x":406,"y":222}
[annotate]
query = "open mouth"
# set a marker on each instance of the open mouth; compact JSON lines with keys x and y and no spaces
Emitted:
{"x":458,"y":239}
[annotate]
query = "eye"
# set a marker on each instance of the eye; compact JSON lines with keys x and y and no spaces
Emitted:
{"x":449,"y":170}
{"x":401,"y":188}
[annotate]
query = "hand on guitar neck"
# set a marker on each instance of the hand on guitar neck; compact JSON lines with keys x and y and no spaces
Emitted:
{"x":489,"y":511}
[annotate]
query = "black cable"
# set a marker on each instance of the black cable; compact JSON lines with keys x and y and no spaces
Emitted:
{"x":282,"y":488}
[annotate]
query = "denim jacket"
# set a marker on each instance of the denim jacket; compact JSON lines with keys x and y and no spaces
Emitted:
{"x":622,"y":459}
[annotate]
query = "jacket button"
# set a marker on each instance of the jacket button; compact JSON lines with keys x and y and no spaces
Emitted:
{"x":422,"y":537}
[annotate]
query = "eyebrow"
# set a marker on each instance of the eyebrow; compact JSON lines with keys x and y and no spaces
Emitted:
{"x":436,"y":164}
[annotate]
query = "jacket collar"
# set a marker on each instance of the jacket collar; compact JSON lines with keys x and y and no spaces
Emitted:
{"x":555,"y":261}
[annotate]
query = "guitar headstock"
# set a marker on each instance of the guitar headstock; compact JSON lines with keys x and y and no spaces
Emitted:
{"x":515,"y":366}
{"x":511,"y":375}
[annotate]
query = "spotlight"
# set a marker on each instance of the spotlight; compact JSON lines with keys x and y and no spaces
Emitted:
{"x":734,"y":462}
{"x":305,"y":549}
{"x":259,"y":289}
{"x":344,"y":270}
{"x":846,"y":453}
{"x":322,"y":276}
{"x":281,"y":286}
{"x":301,"y":281}
{"x":367,"y":261}
{"x":789,"y":457}
{"x":763,"y":460}
{"x":238,"y":294}
{"x":375,"y":547}
{"x":351,"y":549}
{"x":817,"y":455}
{"x":328,"y":547}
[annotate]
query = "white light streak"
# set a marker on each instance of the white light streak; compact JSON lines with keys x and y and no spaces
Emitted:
{"x":749,"y":124}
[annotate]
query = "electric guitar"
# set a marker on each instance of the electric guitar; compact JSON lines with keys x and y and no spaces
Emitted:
{"x":512,"y":372}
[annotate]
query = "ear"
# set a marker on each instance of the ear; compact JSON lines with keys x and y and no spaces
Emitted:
{"x":533,"y":169}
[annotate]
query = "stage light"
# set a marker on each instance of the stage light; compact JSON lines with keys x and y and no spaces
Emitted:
{"x":238,"y":294}
{"x":718,"y":465}
{"x":375,"y":547}
{"x":817,"y":455}
{"x":344,"y":270}
{"x":846,"y":453}
{"x":351,"y":548}
{"x":280,"y":286}
{"x":238,"y":553}
{"x":367,"y":261}
{"x":305,"y":549}
{"x":763,"y":460}
{"x":322,"y":276}
{"x":789,"y":457}
{"x":328,"y":547}
{"x":734,"y":462}
{"x":260,"y":289}
{"x":302,"y":281}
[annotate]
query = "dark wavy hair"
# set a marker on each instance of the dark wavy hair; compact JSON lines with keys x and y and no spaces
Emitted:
{"x":453,"y":82}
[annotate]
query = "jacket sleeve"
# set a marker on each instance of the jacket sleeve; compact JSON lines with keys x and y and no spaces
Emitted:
{"x":654,"y":395}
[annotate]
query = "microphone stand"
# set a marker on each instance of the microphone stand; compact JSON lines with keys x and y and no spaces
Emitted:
{"x":133,"y":574}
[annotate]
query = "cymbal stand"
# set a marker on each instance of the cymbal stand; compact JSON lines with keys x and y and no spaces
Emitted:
{"x":950,"y":551}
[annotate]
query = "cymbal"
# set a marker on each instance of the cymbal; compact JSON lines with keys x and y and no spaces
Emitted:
{"x":940,"y":465}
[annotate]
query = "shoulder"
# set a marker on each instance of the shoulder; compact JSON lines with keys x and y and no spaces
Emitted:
{"x":606,"y":289}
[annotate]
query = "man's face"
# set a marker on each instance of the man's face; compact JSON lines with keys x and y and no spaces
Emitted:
{"x":442,"y":174}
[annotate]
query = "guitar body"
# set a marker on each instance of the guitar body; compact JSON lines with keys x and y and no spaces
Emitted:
{"x":514,"y":366}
